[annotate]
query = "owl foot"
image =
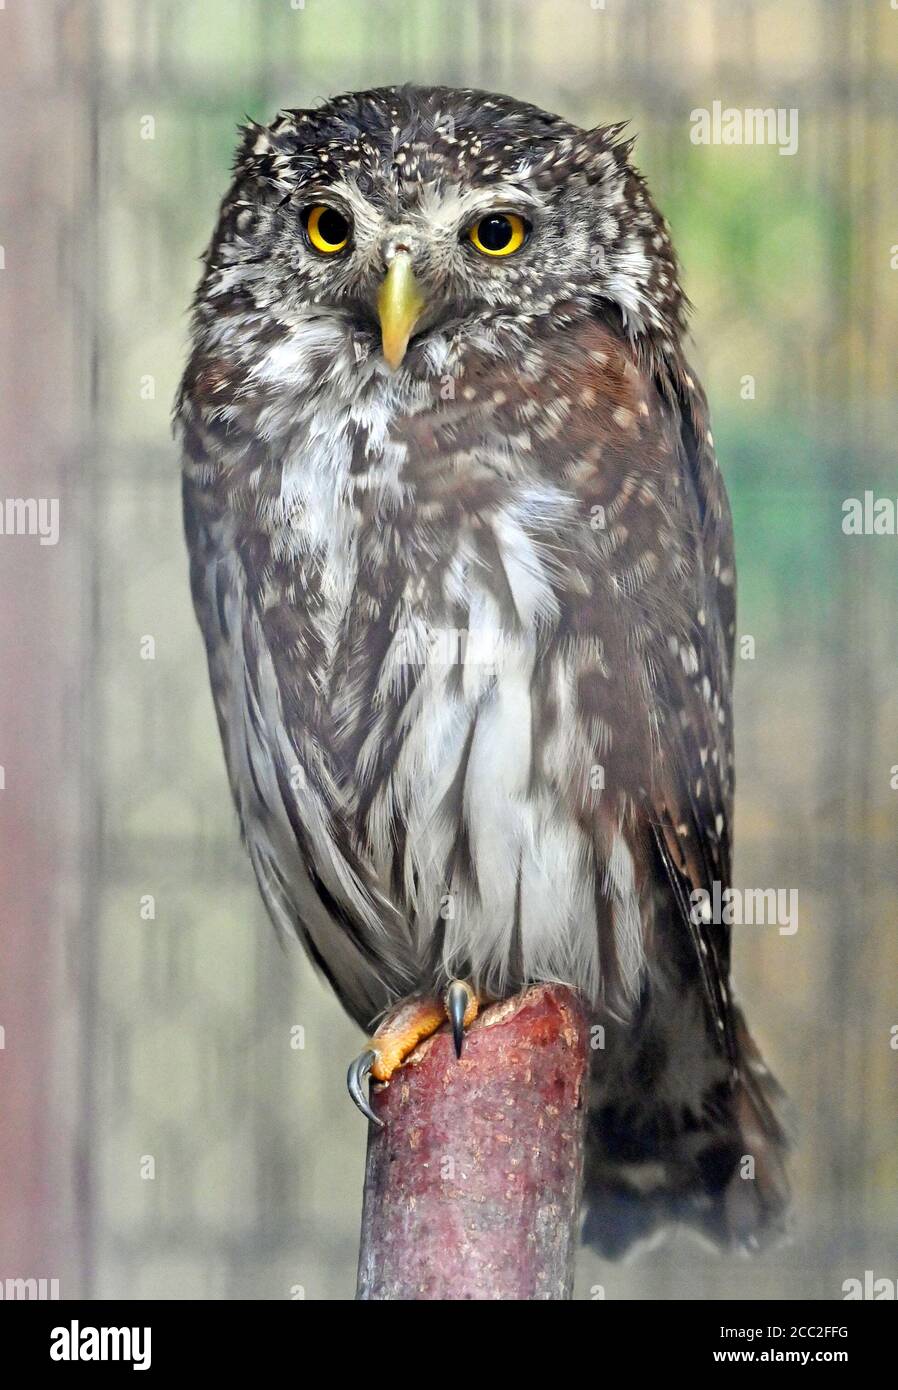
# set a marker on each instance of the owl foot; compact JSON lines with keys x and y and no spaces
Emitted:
{"x":462,"y":1005}
{"x":410,"y":1022}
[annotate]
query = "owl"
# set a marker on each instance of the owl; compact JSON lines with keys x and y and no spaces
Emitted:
{"x":463,"y":563}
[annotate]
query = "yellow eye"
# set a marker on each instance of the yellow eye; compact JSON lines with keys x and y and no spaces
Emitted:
{"x":499,"y":233}
{"x":327,"y":229}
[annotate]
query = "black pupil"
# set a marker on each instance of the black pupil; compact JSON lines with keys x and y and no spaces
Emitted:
{"x":332,"y":227}
{"x":495,"y":233}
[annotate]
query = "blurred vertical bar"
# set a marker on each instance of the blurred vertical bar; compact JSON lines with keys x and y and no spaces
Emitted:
{"x":42,"y":409}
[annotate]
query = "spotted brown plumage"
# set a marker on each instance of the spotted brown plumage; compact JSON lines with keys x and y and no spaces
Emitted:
{"x":468,"y":603}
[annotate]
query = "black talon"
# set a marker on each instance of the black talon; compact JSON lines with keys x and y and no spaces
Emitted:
{"x":358,"y":1074}
{"x":457,"y":1001}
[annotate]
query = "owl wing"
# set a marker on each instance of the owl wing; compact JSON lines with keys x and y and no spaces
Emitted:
{"x":694,"y":798}
{"x":688,"y":803}
{"x":312,"y":880}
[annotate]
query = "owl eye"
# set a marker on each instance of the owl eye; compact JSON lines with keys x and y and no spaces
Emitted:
{"x":499,"y":233}
{"x":327,"y":229}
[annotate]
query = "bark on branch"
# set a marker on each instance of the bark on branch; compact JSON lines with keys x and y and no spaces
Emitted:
{"x":472,"y":1188}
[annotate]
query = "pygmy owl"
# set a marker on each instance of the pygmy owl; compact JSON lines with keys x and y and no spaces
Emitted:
{"x":462,"y":558}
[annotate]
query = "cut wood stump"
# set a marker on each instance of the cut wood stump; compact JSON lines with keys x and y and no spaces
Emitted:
{"x":472,"y":1187}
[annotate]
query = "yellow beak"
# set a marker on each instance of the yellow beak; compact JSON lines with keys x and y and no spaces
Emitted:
{"x":400,"y":305}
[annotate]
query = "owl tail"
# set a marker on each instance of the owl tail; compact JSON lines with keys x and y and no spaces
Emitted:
{"x":672,"y":1141}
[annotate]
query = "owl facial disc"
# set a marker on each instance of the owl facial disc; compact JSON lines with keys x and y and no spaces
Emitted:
{"x":400,"y":304}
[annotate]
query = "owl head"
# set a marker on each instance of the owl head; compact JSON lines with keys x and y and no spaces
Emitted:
{"x":404,"y":214}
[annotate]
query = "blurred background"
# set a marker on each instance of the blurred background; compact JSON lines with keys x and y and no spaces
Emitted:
{"x":173,"y":1118}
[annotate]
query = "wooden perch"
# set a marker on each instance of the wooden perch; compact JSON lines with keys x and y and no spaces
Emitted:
{"x":472,"y":1188}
